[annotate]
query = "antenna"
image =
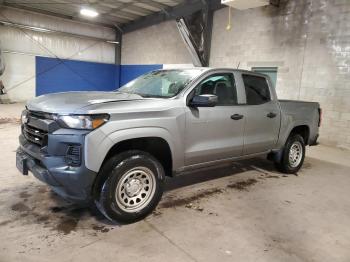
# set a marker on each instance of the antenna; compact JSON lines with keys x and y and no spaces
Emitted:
{"x":239,"y":63}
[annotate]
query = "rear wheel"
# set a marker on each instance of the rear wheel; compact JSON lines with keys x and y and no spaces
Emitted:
{"x":293,"y":155}
{"x":133,"y":187}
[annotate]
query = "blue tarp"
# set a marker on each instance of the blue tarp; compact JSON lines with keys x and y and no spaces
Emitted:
{"x":59,"y":75}
{"x":55,"y":75}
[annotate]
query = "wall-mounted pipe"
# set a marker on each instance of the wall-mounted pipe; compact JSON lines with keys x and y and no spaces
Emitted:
{"x":2,"y":63}
{"x":24,"y":53}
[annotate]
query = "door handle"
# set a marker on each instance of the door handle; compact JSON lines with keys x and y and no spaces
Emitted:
{"x":236,"y":117}
{"x":271,"y":115}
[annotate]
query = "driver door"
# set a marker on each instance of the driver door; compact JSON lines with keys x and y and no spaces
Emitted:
{"x":214,"y":133}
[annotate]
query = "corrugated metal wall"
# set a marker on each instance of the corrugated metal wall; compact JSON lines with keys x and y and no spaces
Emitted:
{"x":21,"y":46}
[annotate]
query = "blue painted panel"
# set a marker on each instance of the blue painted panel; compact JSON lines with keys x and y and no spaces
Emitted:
{"x":60,"y":75}
{"x":130,"y":72}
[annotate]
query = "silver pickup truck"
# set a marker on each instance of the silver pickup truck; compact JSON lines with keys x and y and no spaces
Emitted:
{"x":115,"y":148}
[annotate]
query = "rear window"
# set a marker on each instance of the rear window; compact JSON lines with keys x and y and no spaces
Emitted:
{"x":256,"y":89}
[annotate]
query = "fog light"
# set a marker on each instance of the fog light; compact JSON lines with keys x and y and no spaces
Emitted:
{"x":73,"y":155}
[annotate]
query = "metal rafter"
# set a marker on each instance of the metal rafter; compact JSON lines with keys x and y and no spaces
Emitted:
{"x":50,"y":31}
{"x":114,"y":11}
{"x":50,"y":13}
{"x":152,"y":4}
{"x":128,"y":14}
{"x":119,"y":12}
{"x":186,"y":8}
{"x":104,"y":16}
{"x":115,"y":17}
{"x":130,"y":7}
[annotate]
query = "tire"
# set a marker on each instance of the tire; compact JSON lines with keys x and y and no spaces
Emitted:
{"x":292,"y":161}
{"x":133,"y":186}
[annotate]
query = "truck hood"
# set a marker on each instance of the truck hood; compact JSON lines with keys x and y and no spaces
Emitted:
{"x":69,"y":102}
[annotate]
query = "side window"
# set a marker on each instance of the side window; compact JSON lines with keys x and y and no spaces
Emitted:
{"x":256,"y":89}
{"x":221,"y":85}
{"x":269,"y":71}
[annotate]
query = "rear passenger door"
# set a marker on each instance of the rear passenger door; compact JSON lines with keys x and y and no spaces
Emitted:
{"x":262,"y":115}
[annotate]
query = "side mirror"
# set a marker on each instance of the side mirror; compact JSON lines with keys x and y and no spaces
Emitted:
{"x":204,"y":101}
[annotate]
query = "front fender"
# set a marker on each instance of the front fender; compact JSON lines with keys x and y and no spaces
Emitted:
{"x":98,"y":144}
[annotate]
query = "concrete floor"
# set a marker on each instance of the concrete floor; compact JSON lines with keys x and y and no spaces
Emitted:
{"x":248,"y":212}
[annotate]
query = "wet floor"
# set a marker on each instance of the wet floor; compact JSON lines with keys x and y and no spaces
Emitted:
{"x":37,"y":204}
{"x":243,"y":212}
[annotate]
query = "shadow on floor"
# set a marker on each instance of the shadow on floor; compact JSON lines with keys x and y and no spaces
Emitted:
{"x":37,"y":204}
{"x":206,"y":174}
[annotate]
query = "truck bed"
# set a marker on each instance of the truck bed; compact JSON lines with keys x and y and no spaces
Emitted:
{"x":301,"y":113}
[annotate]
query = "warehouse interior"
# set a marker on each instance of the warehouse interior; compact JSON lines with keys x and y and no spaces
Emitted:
{"x":245,"y":212}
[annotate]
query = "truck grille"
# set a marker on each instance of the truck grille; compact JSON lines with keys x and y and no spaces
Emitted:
{"x":40,"y":115}
{"x":35,"y":135}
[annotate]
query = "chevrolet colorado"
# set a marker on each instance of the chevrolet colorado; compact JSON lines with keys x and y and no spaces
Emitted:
{"x":115,"y":148}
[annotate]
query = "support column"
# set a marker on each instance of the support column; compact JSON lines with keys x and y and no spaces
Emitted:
{"x":209,"y":13}
{"x":118,"y":55}
{"x":118,"y":47}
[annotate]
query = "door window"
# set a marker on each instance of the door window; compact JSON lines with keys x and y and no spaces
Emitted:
{"x":269,"y":71}
{"x":221,"y":85}
{"x":256,"y":89}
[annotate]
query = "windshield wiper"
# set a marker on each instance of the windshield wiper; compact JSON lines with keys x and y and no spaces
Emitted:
{"x":128,"y":93}
{"x":151,"y":96}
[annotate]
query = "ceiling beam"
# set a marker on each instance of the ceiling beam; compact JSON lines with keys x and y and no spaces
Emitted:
{"x":169,"y":13}
{"x":176,"y":2}
{"x":130,"y":7}
{"x":44,"y":12}
{"x":122,"y":14}
{"x":137,"y":9}
{"x":151,"y":3}
{"x":22,"y":27}
{"x":118,"y":10}
{"x":105,"y":20}
{"x":104,"y":17}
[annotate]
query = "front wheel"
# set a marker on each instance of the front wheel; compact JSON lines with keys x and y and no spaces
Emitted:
{"x":133,"y":187}
{"x":293,"y":155}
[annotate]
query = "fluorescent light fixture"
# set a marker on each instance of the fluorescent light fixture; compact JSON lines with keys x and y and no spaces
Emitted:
{"x":112,"y":42}
{"x":88,"y":12}
{"x":39,"y":29}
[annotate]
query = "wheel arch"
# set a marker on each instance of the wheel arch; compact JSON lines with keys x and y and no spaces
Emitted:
{"x":98,"y":144}
{"x":303,"y":130}
{"x":158,"y":147}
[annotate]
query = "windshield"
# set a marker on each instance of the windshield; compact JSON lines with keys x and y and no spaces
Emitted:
{"x":162,"y":83}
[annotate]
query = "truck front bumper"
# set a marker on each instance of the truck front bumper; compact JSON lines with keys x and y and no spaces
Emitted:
{"x":73,"y":183}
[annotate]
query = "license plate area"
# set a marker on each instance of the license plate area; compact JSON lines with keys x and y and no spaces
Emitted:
{"x":21,"y":163}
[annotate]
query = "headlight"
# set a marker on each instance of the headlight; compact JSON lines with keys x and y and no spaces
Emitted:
{"x":24,"y":117}
{"x":83,"y":121}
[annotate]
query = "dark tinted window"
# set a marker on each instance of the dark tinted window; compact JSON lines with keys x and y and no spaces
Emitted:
{"x":269,"y":71}
{"x":256,"y":89}
{"x":221,"y":85}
